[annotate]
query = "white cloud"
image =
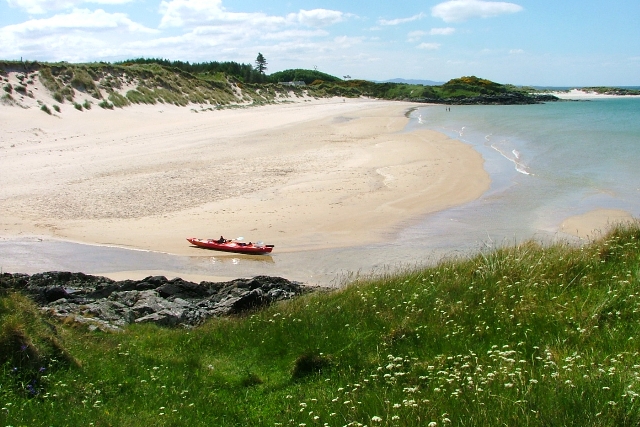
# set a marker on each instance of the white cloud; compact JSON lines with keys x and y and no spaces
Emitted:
{"x":345,"y":41}
{"x":212,"y":30}
{"x":516,"y":51}
{"x":400,"y":20}
{"x":294,"y":35}
{"x":429,"y":46}
{"x":193,"y":13}
{"x":319,"y":17}
{"x":76,"y":36}
{"x":414,"y":36}
{"x":181,"y":13}
{"x":44,"y":6}
{"x":79,"y":19}
{"x":442,"y":31}
{"x":462,"y":10}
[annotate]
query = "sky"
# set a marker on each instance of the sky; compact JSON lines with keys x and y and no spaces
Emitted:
{"x":525,"y":42}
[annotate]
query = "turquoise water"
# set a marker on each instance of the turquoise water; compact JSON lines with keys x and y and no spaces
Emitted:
{"x":547,"y":162}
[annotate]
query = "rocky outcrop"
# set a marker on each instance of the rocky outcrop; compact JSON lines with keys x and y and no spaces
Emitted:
{"x":109,"y":305}
{"x":510,"y":98}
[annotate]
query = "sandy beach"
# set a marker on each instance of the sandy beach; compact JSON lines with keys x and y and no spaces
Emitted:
{"x":594,"y":224}
{"x":581,"y":94}
{"x":305,"y":175}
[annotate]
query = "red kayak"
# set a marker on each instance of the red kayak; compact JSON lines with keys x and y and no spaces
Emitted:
{"x":231,"y":246}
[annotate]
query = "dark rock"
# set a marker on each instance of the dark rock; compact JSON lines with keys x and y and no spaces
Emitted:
{"x":106,"y":304}
{"x":182,"y":289}
{"x":509,"y":98}
{"x":161,"y":318}
{"x":54,"y":293}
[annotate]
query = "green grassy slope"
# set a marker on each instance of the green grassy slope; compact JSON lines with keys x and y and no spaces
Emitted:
{"x":120,"y":85}
{"x":148,"y":82}
{"x":528,"y":335}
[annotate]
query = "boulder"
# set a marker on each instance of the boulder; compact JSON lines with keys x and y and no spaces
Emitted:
{"x":108,"y":305}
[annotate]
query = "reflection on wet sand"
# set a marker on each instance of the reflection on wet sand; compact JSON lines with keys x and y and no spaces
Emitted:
{"x":241,"y":258}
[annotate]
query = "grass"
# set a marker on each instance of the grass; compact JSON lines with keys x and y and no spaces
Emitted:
{"x":7,"y":99}
{"x":118,"y":100}
{"x":83,"y":81}
{"x":528,"y":335}
{"x":105,"y":104}
{"x":152,"y":83}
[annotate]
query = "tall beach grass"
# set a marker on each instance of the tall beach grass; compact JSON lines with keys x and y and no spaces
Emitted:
{"x":530,"y":335}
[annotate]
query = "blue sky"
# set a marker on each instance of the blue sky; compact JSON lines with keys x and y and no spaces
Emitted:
{"x":528,"y":42}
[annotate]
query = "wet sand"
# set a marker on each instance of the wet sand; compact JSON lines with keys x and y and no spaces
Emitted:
{"x":593,"y":224}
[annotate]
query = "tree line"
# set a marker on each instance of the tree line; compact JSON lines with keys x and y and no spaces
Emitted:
{"x":244,"y":72}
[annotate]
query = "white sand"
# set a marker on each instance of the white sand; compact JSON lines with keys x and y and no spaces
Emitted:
{"x":583,"y":94}
{"x":595,"y":223}
{"x":305,"y":175}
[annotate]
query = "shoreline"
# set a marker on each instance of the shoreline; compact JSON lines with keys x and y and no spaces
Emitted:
{"x":578,"y":94}
{"x":337,"y":185}
{"x":594,"y":223}
{"x":304,"y":176}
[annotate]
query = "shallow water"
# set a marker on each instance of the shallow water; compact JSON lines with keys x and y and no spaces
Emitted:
{"x":547,"y":162}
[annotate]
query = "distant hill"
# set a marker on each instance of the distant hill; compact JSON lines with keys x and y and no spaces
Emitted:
{"x":413,"y":82}
{"x":307,"y":76}
{"x":220,"y":85}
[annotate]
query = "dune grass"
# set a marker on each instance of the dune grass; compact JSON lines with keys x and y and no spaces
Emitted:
{"x":528,"y":335}
{"x":118,"y":100}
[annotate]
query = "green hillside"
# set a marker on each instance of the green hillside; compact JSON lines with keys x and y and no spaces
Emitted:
{"x":529,"y":335}
{"x":307,"y":76}
{"x":120,"y":85}
{"x":219,"y":85}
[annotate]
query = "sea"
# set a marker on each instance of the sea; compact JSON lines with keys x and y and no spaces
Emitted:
{"x":547,"y":162}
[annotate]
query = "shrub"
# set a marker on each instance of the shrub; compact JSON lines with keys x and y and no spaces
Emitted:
{"x":48,"y":80}
{"x":45,"y":109}
{"x":7,"y":99}
{"x":138,"y":97}
{"x":57,"y":108}
{"x":77,"y":106}
{"x":118,"y":100}
{"x":105,"y":104}
{"x":58,"y":97}
{"x":8,"y":88}
{"x":87,"y":104}
{"x":83,"y":81}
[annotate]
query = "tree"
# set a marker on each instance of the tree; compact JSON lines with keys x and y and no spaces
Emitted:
{"x":261,"y":64}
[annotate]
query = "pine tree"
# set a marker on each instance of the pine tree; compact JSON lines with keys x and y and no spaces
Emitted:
{"x":261,"y":64}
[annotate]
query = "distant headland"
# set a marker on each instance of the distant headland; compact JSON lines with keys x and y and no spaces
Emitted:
{"x":217,"y":85}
